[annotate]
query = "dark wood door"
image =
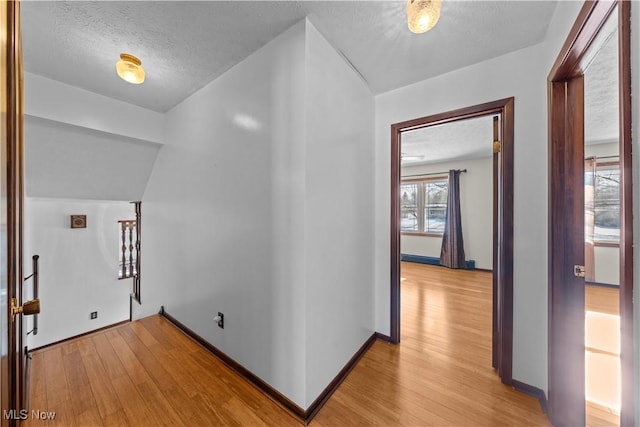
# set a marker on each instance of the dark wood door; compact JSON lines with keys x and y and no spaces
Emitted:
{"x":566,"y":254}
{"x":5,"y":301}
{"x":566,"y":342}
{"x":12,"y":380}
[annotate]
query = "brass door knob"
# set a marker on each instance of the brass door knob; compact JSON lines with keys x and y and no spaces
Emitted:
{"x":27,"y":309}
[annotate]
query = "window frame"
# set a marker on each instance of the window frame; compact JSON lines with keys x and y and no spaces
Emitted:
{"x":421,"y":203}
{"x":606,"y":164}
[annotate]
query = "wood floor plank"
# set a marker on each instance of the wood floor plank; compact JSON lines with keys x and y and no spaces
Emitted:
{"x":132,"y":403}
{"x":117,"y":419}
{"x":171,"y":335}
{"x":37,"y":384}
{"x":64,"y":415}
{"x":55,"y":378}
{"x":600,"y":416}
{"x":440,"y":373}
{"x":180,"y":402}
{"x":110,"y":360}
{"x":85,"y":407}
{"x":158,"y":410}
{"x":147,"y":373}
{"x":105,"y":395}
{"x":602,"y":299}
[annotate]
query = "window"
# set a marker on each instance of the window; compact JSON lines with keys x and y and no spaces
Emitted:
{"x":607,"y":203}
{"x":423,"y":206}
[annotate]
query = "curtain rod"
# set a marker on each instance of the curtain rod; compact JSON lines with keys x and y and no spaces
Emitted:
{"x":604,"y":157}
{"x":434,"y":173}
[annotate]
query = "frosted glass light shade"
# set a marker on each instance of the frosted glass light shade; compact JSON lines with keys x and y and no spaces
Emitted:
{"x":129,"y":68}
{"x":422,"y":15}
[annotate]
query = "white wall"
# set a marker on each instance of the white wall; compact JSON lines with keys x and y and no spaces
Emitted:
{"x":60,"y":102}
{"x":70,"y":162}
{"x":476,"y":205}
{"x":220,"y":212}
{"x":521,"y":74}
{"x":241,"y":215}
{"x":607,"y":265}
{"x":602,"y":150}
{"x":78,"y":267}
{"x":82,"y":145}
{"x":338,"y":213}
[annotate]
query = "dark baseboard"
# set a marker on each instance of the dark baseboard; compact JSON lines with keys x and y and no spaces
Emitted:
{"x":294,"y":409}
{"x":383,"y":337}
{"x":271,"y":392}
{"x":532,"y":391}
{"x":342,"y":375}
{"x":484,"y":269}
{"x":602,"y":285}
{"x":113,"y":325}
{"x":471,"y":264}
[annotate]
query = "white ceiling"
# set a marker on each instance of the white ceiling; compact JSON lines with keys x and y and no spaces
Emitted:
{"x":185,"y":45}
{"x":601,"y":109}
{"x":460,"y":140}
{"x":471,"y":139}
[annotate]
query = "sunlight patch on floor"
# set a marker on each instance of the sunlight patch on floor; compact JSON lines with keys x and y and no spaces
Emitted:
{"x":602,"y":360}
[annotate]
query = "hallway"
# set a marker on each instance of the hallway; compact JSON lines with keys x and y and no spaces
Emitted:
{"x":148,"y":373}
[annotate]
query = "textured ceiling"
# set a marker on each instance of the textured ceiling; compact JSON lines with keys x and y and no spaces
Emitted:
{"x":601,"y":110}
{"x":470,"y":139}
{"x":185,"y":45}
{"x":461,"y":140}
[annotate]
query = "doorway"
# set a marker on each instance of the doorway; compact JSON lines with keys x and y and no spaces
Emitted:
{"x":602,"y":230}
{"x":503,"y":223}
{"x":572,"y":256}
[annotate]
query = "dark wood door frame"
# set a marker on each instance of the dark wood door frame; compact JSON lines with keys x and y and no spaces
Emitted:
{"x":566,"y":124}
{"x":12,"y":365}
{"x":503,"y":207}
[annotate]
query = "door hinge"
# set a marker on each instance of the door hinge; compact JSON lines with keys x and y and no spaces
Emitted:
{"x":578,"y":270}
{"x":496,"y":146}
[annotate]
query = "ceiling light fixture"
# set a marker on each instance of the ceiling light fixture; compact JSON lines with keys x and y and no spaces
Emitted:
{"x":423,"y":15}
{"x":129,"y":68}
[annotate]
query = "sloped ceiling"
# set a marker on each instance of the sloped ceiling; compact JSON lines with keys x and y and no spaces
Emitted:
{"x":185,"y":45}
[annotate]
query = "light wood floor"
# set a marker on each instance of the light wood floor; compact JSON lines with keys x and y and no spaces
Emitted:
{"x":144,"y":373}
{"x":147,"y":373}
{"x":602,"y":355}
{"x":440,"y":374}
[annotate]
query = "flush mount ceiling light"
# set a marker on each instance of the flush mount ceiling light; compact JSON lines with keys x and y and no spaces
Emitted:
{"x":422,"y":15}
{"x":129,"y":68}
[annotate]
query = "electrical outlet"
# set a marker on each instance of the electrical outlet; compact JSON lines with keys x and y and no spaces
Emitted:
{"x":93,"y":315}
{"x":220,"y":320}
